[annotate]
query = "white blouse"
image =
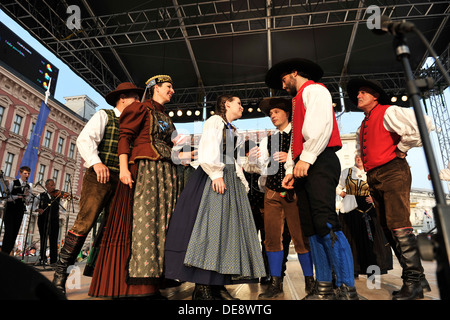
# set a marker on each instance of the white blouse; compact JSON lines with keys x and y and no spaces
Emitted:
{"x":210,"y":155}
{"x":91,"y":136}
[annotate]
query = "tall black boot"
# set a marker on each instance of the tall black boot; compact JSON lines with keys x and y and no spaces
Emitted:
{"x":274,"y":289}
{"x":323,"y":290}
{"x":411,"y":264}
{"x":69,"y":252}
{"x":309,"y":284}
{"x":221,"y":293}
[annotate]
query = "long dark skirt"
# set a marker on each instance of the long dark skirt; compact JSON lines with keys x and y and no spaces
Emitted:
{"x":366,"y":238}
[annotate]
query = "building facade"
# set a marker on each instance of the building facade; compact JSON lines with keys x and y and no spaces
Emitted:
{"x":58,"y":158}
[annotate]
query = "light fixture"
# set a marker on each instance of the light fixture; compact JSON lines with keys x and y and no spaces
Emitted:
{"x":197,"y":112}
{"x":250,"y":109}
{"x":404,"y":98}
{"x":189,"y":113}
{"x":259,"y":109}
{"x":171,"y":114}
{"x":394,"y":99}
{"x":212,"y":113}
{"x":179,"y":113}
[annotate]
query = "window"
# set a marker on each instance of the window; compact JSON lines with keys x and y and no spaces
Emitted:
{"x":67,"y":183}
{"x":59,"y":148}
{"x":47,"y":138}
{"x":17,"y":123}
{"x":2,"y":112}
{"x":72,"y":150}
{"x":55,"y":175}
{"x":31,"y":129}
{"x":8,"y":164}
{"x":41,"y":173}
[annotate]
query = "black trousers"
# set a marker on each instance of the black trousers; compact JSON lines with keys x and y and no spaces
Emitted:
{"x":48,"y":232}
{"x":13,"y":217}
{"x":316,"y":195}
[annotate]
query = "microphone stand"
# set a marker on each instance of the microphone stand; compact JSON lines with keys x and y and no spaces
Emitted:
{"x":441,"y":243}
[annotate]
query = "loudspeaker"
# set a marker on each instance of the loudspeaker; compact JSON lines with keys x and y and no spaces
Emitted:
{"x":21,"y":282}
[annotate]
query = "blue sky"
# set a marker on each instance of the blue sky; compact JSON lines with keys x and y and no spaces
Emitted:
{"x":69,"y":84}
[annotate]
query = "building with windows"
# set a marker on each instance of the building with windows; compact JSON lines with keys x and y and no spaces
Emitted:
{"x":58,"y":158}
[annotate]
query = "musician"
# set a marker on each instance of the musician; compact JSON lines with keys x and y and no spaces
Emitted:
{"x":48,"y":220}
{"x":19,"y":196}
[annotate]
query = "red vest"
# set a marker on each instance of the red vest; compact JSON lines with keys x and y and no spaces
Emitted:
{"x":377,"y":144}
{"x":298,"y":117}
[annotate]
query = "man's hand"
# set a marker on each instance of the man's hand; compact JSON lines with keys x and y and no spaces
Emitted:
{"x":280,"y":156}
{"x":301,"y":169}
{"x":400,"y":154}
{"x":288,"y":181}
{"x":102,"y":172}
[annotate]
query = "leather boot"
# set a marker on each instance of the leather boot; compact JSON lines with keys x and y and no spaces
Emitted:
{"x":69,"y":252}
{"x":412,"y":266}
{"x":221,"y":293}
{"x":345,"y":292}
{"x":309,"y":284}
{"x":323,"y":290}
{"x":203,"y":292}
{"x":274,"y":289}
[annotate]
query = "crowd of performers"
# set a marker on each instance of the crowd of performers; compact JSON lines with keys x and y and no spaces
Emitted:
{"x":165,"y":222}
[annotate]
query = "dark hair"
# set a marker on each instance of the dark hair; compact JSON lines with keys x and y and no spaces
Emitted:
{"x":25,"y":168}
{"x":221,"y":110}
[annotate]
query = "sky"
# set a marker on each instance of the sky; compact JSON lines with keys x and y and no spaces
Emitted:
{"x":69,"y":84}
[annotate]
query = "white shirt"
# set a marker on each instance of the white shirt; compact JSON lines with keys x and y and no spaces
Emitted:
{"x":210,"y":155}
{"x":317,"y":125}
{"x":403,"y":122}
{"x":14,"y":197}
{"x":91,"y":136}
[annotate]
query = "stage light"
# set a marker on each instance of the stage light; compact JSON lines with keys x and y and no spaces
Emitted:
{"x":197,"y":112}
{"x":250,"y":109}
{"x":259,"y":110}
{"x":171,"y":114}
{"x":394,"y":99}
{"x":189,"y":113}
{"x":212,"y":113}
{"x":404,"y":98}
{"x":179,"y":113}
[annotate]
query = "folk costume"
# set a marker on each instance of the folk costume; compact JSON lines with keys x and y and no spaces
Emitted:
{"x":14,"y":211}
{"x":212,"y":239}
{"x":385,"y":129}
{"x":360,"y":224}
{"x":280,"y":205}
{"x":315,"y":140}
{"x":97,"y":143}
{"x":131,"y":258}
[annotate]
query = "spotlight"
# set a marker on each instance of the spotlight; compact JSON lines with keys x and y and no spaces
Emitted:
{"x":171,"y":114}
{"x":189,"y":113}
{"x":259,"y":110}
{"x":212,"y":113}
{"x":250,"y":109}
{"x":394,"y":99}
{"x":197,"y":112}
{"x":179,"y":113}
{"x":404,"y":98}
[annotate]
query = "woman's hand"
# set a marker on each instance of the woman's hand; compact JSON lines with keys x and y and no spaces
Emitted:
{"x":125,"y":177}
{"x":218,"y":185}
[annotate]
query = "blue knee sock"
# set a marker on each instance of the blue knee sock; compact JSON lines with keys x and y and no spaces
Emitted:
{"x":306,"y":263}
{"x":341,"y":257}
{"x":322,"y":264}
{"x":275,"y":259}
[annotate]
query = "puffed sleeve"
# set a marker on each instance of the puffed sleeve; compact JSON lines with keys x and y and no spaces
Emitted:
{"x":210,"y":155}
{"x":130,"y":124}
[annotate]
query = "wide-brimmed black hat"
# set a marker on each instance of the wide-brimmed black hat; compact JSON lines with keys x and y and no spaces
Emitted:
{"x":354,"y":85}
{"x":273,"y":76}
{"x":124,"y":87}
{"x":268,"y":104}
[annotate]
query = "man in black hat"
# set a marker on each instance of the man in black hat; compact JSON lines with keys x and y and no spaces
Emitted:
{"x":315,"y":175}
{"x":97,"y":144}
{"x":279,"y":204}
{"x":386,"y":134}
